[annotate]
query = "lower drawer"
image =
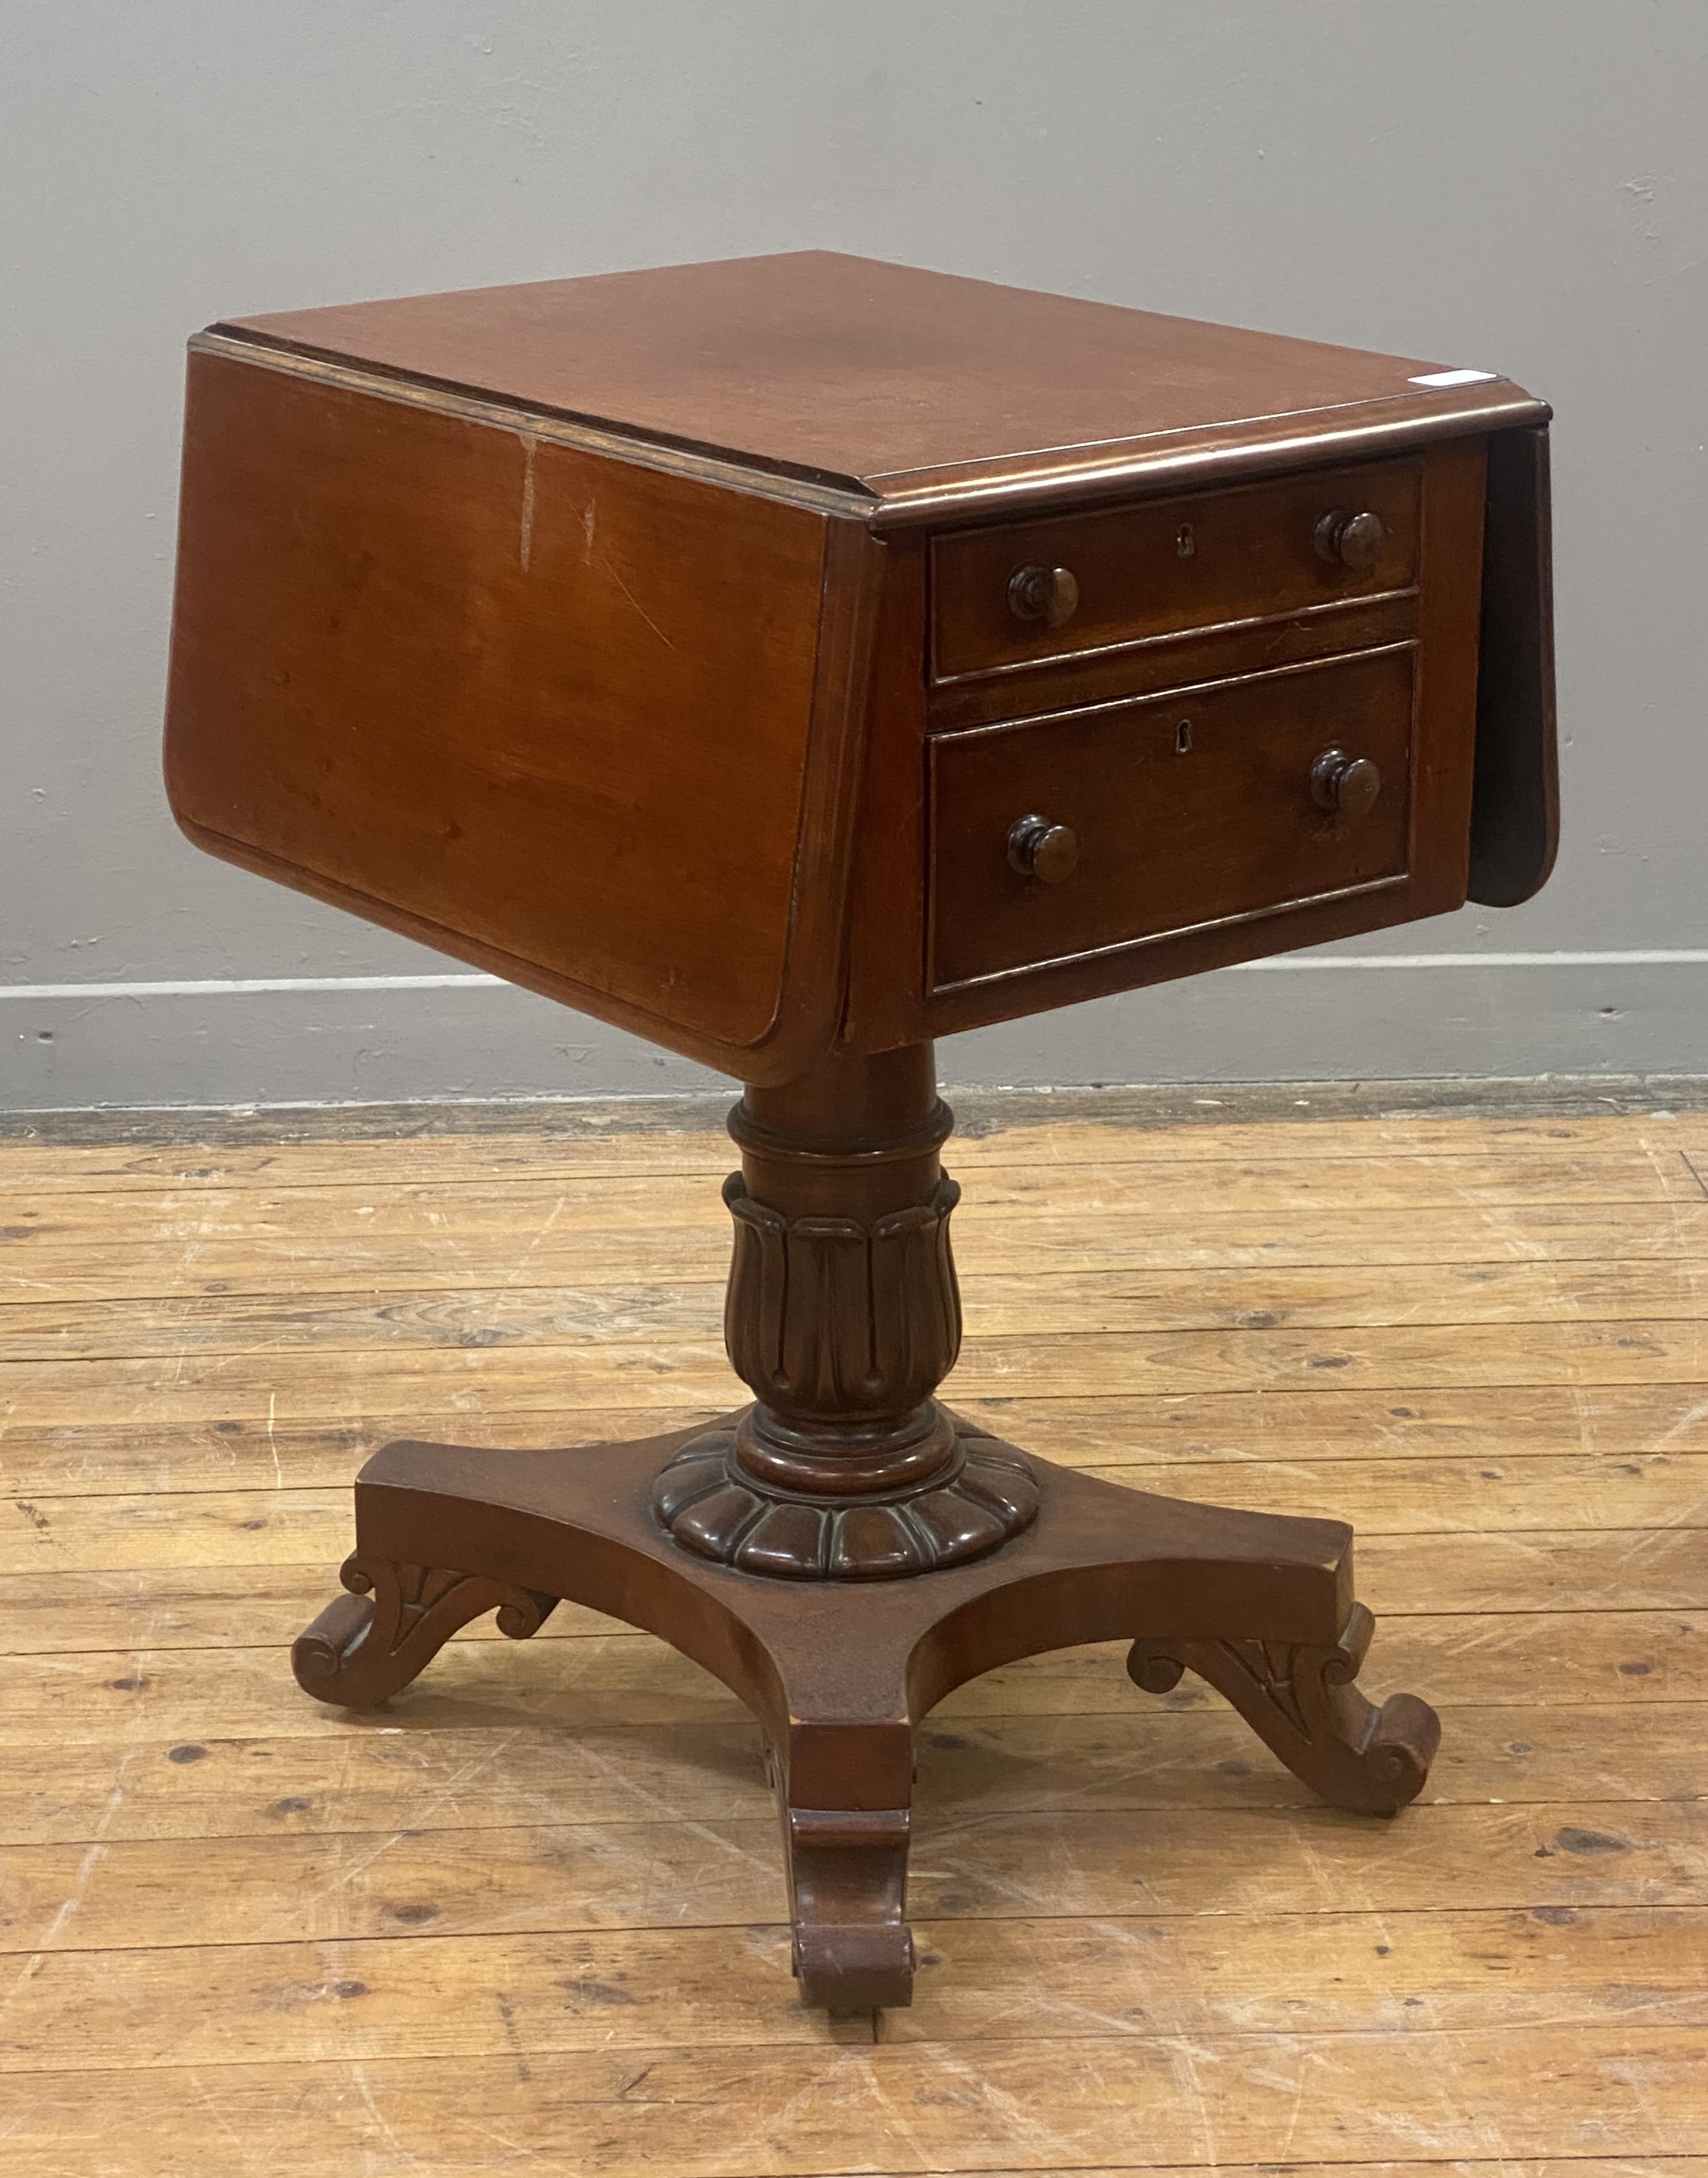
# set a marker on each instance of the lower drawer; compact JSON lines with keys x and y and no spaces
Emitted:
{"x":1058,"y":837}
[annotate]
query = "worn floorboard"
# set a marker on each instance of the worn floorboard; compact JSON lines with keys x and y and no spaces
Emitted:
{"x":527,"y":1918}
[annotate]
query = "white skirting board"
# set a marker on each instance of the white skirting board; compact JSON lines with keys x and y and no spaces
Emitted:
{"x":331,"y":1039}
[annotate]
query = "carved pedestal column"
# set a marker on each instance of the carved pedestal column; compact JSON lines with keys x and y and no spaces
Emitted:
{"x":756,"y":1545}
{"x":843,"y":1317}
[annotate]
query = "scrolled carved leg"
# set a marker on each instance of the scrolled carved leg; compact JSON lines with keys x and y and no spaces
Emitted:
{"x":1302,"y":1702}
{"x":848,"y":1880}
{"x":845,"y":1551}
{"x":847,"y":1868}
{"x":371,"y":1642}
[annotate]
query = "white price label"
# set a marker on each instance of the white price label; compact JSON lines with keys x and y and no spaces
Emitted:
{"x":1433,"y":379}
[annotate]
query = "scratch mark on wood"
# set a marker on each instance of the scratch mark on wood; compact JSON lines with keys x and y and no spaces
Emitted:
{"x":413,"y":2161}
{"x":639,"y":608}
{"x":92,"y":1858}
{"x":527,"y":520}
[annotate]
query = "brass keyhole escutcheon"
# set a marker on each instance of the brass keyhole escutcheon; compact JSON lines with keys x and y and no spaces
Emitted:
{"x":1348,"y":784}
{"x":1038,"y":849}
{"x":1050,"y":594}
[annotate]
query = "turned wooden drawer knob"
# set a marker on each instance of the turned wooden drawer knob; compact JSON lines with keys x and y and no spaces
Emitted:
{"x":1050,"y":594}
{"x":1038,"y":849}
{"x":1354,"y":541}
{"x":1348,"y":784}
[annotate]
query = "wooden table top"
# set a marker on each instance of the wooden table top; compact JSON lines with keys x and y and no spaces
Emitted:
{"x":653,"y":641}
{"x":886,"y":380}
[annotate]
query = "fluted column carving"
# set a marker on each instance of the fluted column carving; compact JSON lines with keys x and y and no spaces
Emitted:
{"x":843,"y":1317}
{"x":839,"y":1320}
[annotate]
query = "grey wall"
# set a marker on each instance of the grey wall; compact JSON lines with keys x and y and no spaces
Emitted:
{"x":1521,"y":185}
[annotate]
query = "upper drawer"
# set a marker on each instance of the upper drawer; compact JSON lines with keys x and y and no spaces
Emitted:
{"x":1032,"y":591}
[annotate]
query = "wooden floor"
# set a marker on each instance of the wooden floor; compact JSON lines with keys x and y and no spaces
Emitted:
{"x":527,"y":1919}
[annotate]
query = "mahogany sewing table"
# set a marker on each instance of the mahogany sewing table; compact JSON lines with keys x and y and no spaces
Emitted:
{"x":793,"y":660}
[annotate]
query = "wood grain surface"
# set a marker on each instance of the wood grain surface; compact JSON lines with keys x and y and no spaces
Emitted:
{"x":901,"y":385}
{"x":528,"y":1917}
{"x":584,"y":723}
{"x":558,"y":627}
{"x":1167,"y":565}
{"x":1162,"y":843}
